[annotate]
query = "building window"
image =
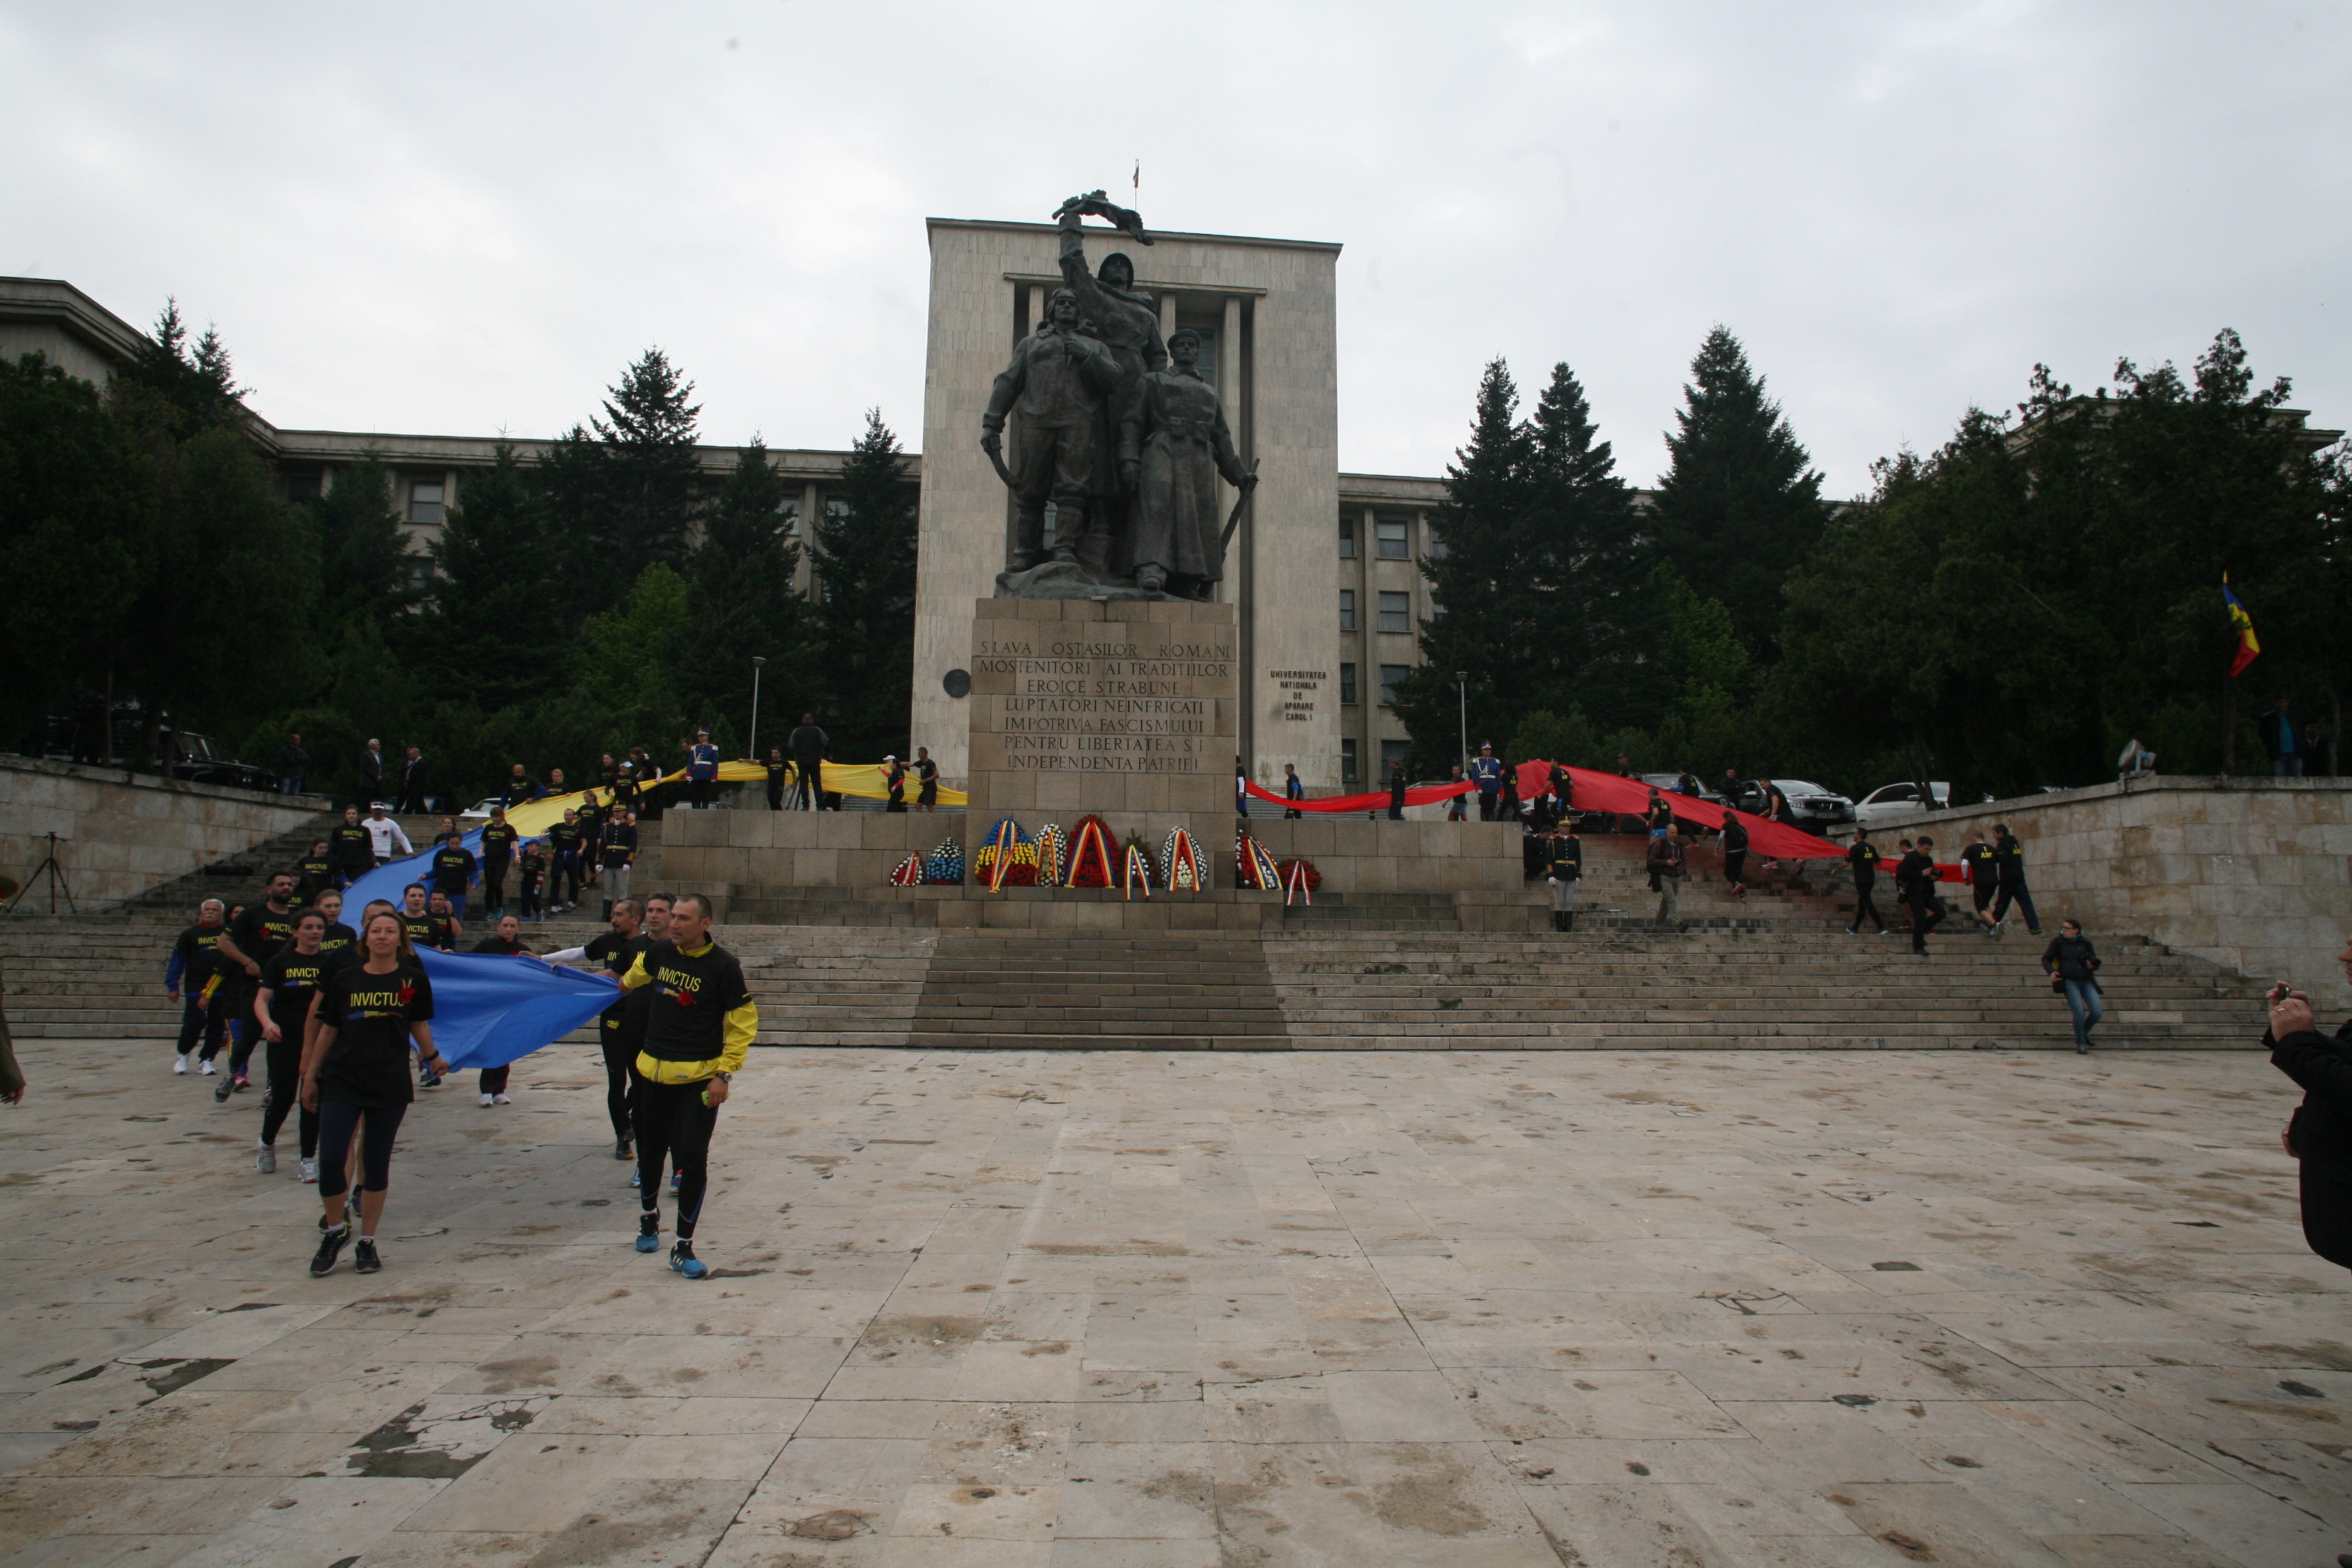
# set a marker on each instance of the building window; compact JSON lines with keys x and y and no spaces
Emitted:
{"x":1392,"y":677}
{"x":305,"y":484}
{"x":1348,"y":762}
{"x":1347,"y":538}
{"x":1391,"y":754}
{"x":420,"y":574}
{"x":789,"y":517}
{"x":1396,"y":612}
{"x":1347,"y":609}
{"x":1436,"y":548}
{"x":1347,"y":683}
{"x":425,"y":501}
{"x":1389,"y":531}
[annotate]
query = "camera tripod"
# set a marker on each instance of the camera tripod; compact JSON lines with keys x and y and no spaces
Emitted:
{"x":56,"y":873}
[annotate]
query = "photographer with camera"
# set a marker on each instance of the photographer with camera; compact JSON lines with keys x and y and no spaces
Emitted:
{"x":2319,"y":1135}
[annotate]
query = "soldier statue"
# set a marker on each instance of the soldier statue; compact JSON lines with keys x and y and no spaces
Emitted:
{"x":1060,"y":381}
{"x":1173,"y":444}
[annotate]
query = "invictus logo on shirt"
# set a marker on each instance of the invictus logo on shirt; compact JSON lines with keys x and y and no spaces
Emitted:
{"x":680,"y":985}
{"x":299,"y":974}
{"x":383,"y":1004}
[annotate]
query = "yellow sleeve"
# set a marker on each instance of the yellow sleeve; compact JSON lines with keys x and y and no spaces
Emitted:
{"x":637,"y":975}
{"x":742,"y":1024}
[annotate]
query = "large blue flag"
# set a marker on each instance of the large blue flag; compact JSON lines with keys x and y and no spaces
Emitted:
{"x":489,"y":1009}
{"x":389,"y":881}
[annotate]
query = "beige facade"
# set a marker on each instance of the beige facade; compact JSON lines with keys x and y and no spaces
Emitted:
{"x":1268,"y":311}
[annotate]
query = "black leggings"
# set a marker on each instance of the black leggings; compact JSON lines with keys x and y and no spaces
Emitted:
{"x":338,"y":1119}
{"x":493,"y":883}
{"x":1927,"y":914}
{"x":673,"y":1121}
{"x":1864,"y":904}
{"x":285,"y":1092}
{"x":620,"y":1078}
{"x":1735,"y":866}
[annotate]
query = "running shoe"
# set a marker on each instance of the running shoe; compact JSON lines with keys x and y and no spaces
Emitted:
{"x":331,"y":1247}
{"x":683,"y":1260}
{"x":486,"y":1100}
{"x":265,"y":1161}
{"x":500,"y":1099}
{"x":649,"y":1232}
{"x":428,"y":1081}
{"x":310,"y":1171}
{"x":621,"y":1149}
{"x":206,"y":1069}
{"x":241,"y":1083}
{"x":226,"y":1087}
{"x":363,"y":1258}
{"x":636,"y":1181}
{"x":675,"y":1178}
{"x":179,"y":1062}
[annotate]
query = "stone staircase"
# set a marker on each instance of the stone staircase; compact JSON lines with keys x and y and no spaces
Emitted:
{"x":1774,"y":971}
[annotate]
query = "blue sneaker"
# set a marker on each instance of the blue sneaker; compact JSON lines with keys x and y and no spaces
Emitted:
{"x":675,"y":1178}
{"x":649,"y":1232}
{"x":682,"y":1258}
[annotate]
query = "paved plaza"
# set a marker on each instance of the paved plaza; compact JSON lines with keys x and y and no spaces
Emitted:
{"x":1479,"y":1310}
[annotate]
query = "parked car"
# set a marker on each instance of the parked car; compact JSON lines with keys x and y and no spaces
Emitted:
{"x":195,"y":759}
{"x":1664,"y":784}
{"x":480,"y":810}
{"x":1899,"y":800}
{"x":1809,"y":803}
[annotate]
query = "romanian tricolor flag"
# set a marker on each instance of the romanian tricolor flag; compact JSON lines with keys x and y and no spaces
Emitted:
{"x":2250,"y":647}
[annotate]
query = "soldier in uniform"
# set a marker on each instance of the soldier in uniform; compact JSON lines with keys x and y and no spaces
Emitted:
{"x":1058,"y":382}
{"x":1173,"y":443}
{"x":1127,"y":322}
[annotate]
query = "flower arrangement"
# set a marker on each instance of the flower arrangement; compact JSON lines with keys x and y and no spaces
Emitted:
{"x":944,"y":866}
{"x":1090,"y":854}
{"x":1299,"y":881}
{"x":1252,"y":866}
{"x":1052,"y":855}
{"x":908,"y":874}
{"x":1136,"y":870}
{"x":1181,"y":870}
{"x":1006,"y":859}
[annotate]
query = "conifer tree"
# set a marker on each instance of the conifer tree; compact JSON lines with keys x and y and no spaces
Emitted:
{"x":865,"y":559}
{"x":485,"y":633}
{"x":1740,"y":505}
{"x":743,"y":605}
{"x":363,"y":553}
{"x":647,"y":436}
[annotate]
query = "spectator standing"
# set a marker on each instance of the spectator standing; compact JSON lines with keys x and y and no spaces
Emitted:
{"x":1457,"y":807}
{"x":1863,"y":857}
{"x":927,"y":779}
{"x":1564,"y":870}
{"x":808,"y":745}
{"x":416,"y":783}
{"x":702,"y":770}
{"x":1687,"y":785}
{"x":1486,"y":773}
{"x":1396,"y":792}
{"x":1294,"y":790}
{"x":2073,"y":965}
{"x":1914,"y":882}
{"x":2282,"y":738}
{"x":292,"y":762}
{"x":2319,"y":1136}
{"x":384,"y":835}
{"x":1733,"y":787}
{"x":780,"y":774}
{"x":1983,"y":877}
{"x":2009,"y":868}
{"x":563,"y":846}
{"x":372,"y":770}
{"x":608,"y":774}
{"x":1666,"y":871}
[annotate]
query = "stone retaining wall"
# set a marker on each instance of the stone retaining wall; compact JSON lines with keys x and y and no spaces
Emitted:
{"x":2252,"y":873}
{"x":120,"y":834}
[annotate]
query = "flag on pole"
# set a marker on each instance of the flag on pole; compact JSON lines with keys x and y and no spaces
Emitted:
{"x":2250,"y":647}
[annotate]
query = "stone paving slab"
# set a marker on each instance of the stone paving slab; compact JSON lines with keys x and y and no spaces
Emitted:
{"x":1475,"y":1308}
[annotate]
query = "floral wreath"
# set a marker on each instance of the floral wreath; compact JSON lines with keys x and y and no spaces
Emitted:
{"x":1181,"y":870}
{"x":1090,"y":854}
{"x":943,"y":866}
{"x":1052,"y":855}
{"x":1006,"y":859}
{"x":1252,"y":866}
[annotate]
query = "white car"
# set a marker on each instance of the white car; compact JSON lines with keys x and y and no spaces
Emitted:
{"x":1898,"y":800}
{"x":480,"y":810}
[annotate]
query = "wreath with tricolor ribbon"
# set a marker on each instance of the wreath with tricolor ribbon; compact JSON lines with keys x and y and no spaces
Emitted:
{"x":1007,"y":857}
{"x":1181,"y":870}
{"x":1252,"y":866}
{"x":1092,"y":846}
{"x":943,"y":866}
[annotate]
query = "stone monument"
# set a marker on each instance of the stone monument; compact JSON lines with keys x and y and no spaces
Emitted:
{"x":1126,"y":450}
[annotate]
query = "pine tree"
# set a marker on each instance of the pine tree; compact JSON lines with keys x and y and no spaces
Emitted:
{"x":174,"y":391}
{"x":650,"y":470}
{"x":363,"y":553}
{"x":864,"y":558}
{"x":742,"y":604}
{"x":485,"y":633}
{"x":1589,"y":549}
{"x":1740,"y":505}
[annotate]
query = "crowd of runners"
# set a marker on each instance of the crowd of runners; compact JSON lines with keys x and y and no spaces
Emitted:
{"x":341,"y":1013}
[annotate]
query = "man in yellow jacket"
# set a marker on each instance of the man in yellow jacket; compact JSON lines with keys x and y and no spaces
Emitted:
{"x":698,"y":1029}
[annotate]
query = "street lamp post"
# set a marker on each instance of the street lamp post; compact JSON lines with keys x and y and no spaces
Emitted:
{"x":755,"y":750}
{"x":1462,"y":690}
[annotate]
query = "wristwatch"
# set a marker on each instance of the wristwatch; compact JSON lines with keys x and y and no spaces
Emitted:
{"x":724,"y":1077}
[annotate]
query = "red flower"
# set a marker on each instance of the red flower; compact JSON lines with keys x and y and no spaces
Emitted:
{"x":407,"y":994}
{"x":685,"y":998}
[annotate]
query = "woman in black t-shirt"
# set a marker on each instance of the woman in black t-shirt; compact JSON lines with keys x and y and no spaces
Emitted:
{"x":281,"y":1006}
{"x":357,"y":1069}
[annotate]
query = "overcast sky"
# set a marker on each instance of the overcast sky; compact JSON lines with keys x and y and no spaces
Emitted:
{"x":462,"y":219}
